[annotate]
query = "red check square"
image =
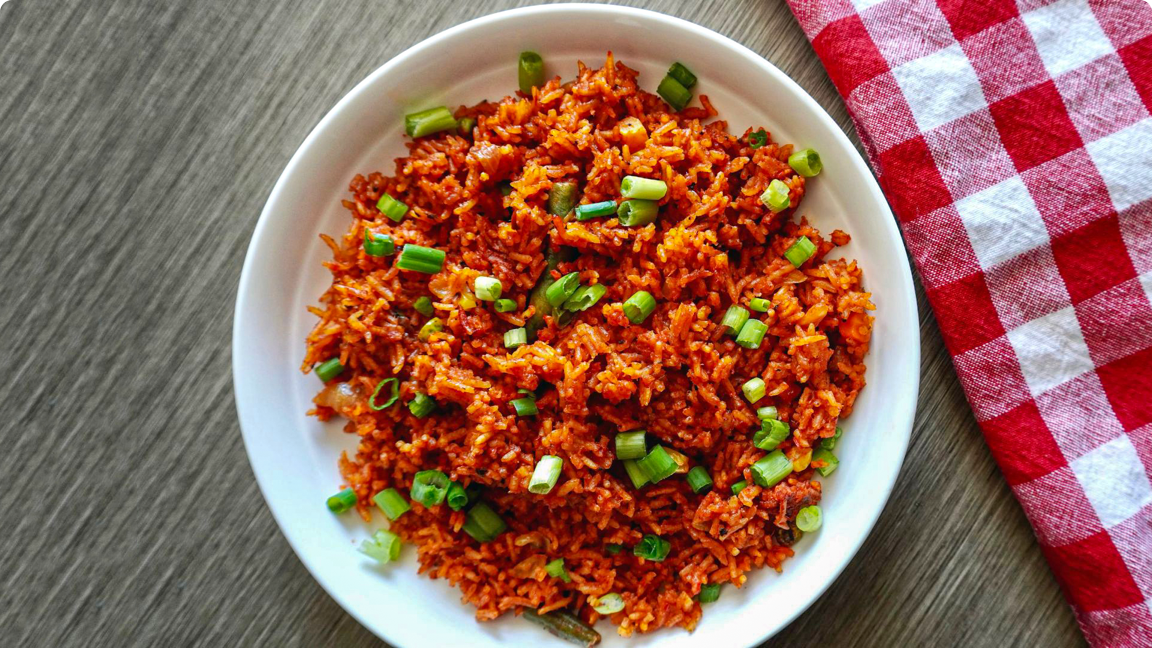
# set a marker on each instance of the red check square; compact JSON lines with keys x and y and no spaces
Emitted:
{"x":1022,"y":444}
{"x":968,"y":17}
{"x":966,"y":307}
{"x":1123,"y":21}
{"x":1116,"y":322}
{"x":1093,"y":258}
{"x":1057,"y":508}
{"x":995,"y":384}
{"x":911,"y":180}
{"x":941,"y":247}
{"x":1136,"y":59}
{"x":846,"y":42}
{"x":1069,"y":192}
{"x":1128,"y":383}
{"x":1005,"y":59}
{"x":1034,"y":126}
{"x":1079,"y":567}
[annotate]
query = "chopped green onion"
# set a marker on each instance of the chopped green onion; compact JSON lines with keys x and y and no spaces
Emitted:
{"x":342,"y":501}
{"x":734,"y":319}
{"x":800,"y":251}
{"x":504,"y":305}
{"x":525,"y":406}
{"x":457,"y":497}
{"x":652,"y":547}
{"x":808,"y":519}
{"x":630,"y":445}
{"x":433,"y":325}
{"x":674,"y":93}
{"x":595,"y":210}
{"x":613,"y":548}
{"x":562,"y":289}
{"x":771,"y":434}
{"x":430,"y":487}
{"x":769,"y":412}
{"x":699,"y":480}
{"x":775,"y":197}
{"x":531,"y":72}
{"x":466,"y":124}
{"x":636,"y":212}
{"x":682,"y":74}
{"x":636,"y":473}
{"x":610,"y":603}
{"x":757,"y":139}
{"x":830,"y":442}
{"x":515,"y":338}
{"x":754,"y":389}
{"x":393,"y":394}
{"x":585,"y":297}
{"x":639,"y":306}
{"x":739,"y":486}
{"x":752,"y":334}
{"x":426,"y":122}
{"x":383,"y":546}
{"x":527,"y":392}
{"x":421,"y":405}
{"x":392,"y":208}
{"x":658,"y":464}
{"x":643,"y":188}
{"x":423,"y":305}
{"x":421,"y":259}
{"x":564,"y":625}
{"x":771,"y":469}
{"x":825,"y":456}
{"x":709,"y":593}
{"x":329,"y":369}
{"x":556,"y":569}
{"x":482,"y":523}
{"x":807,"y":162}
{"x":561,"y":198}
{"x":392,"y":503}
{"x":760,"y":305}
{"x":488,"y":288}
{"x":545,"y":475}
{"x":378,"y":245}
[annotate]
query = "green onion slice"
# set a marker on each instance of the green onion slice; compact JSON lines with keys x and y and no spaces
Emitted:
{"x":434,"y":325}
{"x":699,"y":480}
{"x":800,"y":251}
{"x":754,"y":389}
{"x":561,"y":198}
{"x":378,"y":245}
{"x":585,"y":297}
{"x":760,"y":305}
{"x":652,"y":547}
{"x":775,"y":197}
{"x":739,"y":486}
{"x":830,"y":442}
{"x":709,"y":593}
{"x":643,"y":188}
{"x":392,"y":503}
{"x":504,"y":305}
{"x":556,"y":569}
{"x":525,"y":406}
{"x":635,"y":473}
{"x":639,"y":306}
{"x":807,"y":162}
{"x":631,"y":445}
{"x":808,"y":519}
{"x":771,"y":469}
{"x":734,"y":319}
{"x":515,"y":338}
{"x":757,"y":139}
{"x":752,"y":334}
{"x":466,"y":124}
{"x":636,"y":212}
{"x":595,"y":210}
{"x":769,"y":412}
{"x":421,"y":405}
{"x":482,"y":523}
{"x":420,"y":259}
{"x":682,"y":75}
{"x":423,"y":305}
{"x":457,"y":497}
{"x":674,"y":93}
{"x":392,"y":208}
{"x":383,"y":546}
{"x":825,"y":456}
{"x":427,"y":122}
{"x":610,"y":603}
{"x":546,"y":474}
{"x":393,"y":394}
{"x":342,"y":501}
{"x":658,"y":464}
{"x":488,"y":288}
{"x":430,"y":487}
{"x":562,"y":289}
{"x":329,"y":369}
{"x":530,"y":71}
{"x":771,"y":434}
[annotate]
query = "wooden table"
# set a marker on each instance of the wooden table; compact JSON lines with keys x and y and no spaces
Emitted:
{"x":138,"y":142}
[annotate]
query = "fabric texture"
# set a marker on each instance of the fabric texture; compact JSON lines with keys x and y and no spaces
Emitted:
{"x":1014,"y":143}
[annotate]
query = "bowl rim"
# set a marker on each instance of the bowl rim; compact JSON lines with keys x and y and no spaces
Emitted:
{"x":904,"y":413}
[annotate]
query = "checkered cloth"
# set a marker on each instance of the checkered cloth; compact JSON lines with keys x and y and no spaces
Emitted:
{"x":1014,"y":142}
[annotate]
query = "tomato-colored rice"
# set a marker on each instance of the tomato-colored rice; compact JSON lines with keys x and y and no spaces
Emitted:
{"x":676,"y":375}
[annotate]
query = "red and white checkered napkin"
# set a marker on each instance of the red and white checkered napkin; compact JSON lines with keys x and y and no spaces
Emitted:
{"x":1014,"y":142}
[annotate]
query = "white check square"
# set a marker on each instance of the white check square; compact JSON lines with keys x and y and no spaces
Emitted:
{"x":940,"y":87}
{"x":1114,"y":480}
{"x":1051,"y":350}
{"x":1124,"y":159}
{"x":1067,"y":35}
{"x":1002,"y":222}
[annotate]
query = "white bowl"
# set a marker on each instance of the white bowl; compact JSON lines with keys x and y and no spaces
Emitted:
{"x":294,"y":456}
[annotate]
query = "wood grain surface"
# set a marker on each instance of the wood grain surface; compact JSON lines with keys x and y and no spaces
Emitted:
{"x":138,"y":143}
